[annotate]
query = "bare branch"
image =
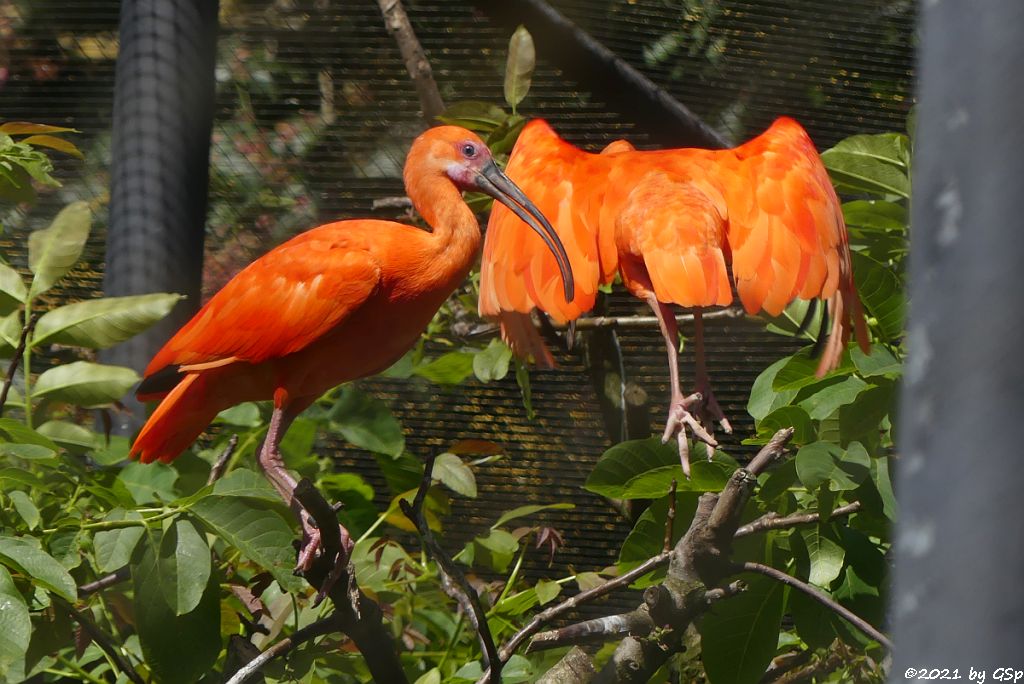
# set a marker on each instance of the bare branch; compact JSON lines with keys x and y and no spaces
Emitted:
{"x":670,"y":517}
{"x":401,"y":202}
{"x":221,"y":464}
{"x":597,"y":630}
{"x":102,"y":639}
{"x":771,"y":451}
{"x":575,"y":667}
{"x":397,"y":22}
{"x":116,"y":577}
{"x":16,"y":359}
{"x":773,"y":521}
{"x":453,"y":581}
{"x":785,"y":663}
{"x":300,"y":636}
{"x":819,"y":596}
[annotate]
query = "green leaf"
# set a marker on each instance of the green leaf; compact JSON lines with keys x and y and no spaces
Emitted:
{"x":644,"y":469}
{"x":54,"y":250}
{"x":183,"y":565}
{"x":70,"y":436}
{"x":12,"y":290}
{"x":523,"y":511}
{"x":28,"y":452}
{"x":474,"y":115}
{"x":15,"y":623}
{"x":367,"y":422}
{"x":824,"y":462}
{"x":648,"y":534}
{"x":149,"y":482}
{"x":800,"y":371}
{"x":879,"y":362}
{"x":764,"y":398}
{"x":85,"y":384}
{"x":114,"y":548}
{"x":431,"y":676}
{"x":870,"y":163}
{"x":862,"y":419}
{"x":825,"y":554}
{"x":875,"y":215}
{"x":547,"y":591}
{"x":883,"y":483}
{"x":101,"y":323}
{"x":246,"y":414}
{"x":255,"y":529}
{"x":113,"y":453}
{"x":795,"y":417}
{"x":447,"y":369}
{"x":246,"y":483}
{"x":177,"y":648}
{"x":882,"y":293}
{"x":500,"y":546}
{"x":492,"y":363}
{"x":815,"y":623}
{"x":19,"y":433}
{"x":826,"y":401}
{"x":25,"y":507}
{"x":739,"y":636}
{"x":26,"y":557}
{"x":450,"y":471}
{"x":522,"y":58}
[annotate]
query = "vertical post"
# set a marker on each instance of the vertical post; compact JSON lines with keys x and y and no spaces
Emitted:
{"x":958,"y":600}
{"x":163,"y":115}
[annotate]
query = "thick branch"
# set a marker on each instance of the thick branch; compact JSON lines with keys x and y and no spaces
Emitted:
{"x":102,"y":639}
{"x":819,"y":596}
{"x":300,"y":636}
{"x":397,"y":22}
{"x":453,"y":581}
{"x":19,"y":352}
{"x":575,"y":667}
{"x":772,"y":521}
{"x":116,"y":577}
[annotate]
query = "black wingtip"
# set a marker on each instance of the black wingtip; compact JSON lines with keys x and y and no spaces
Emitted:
{"x":161,"y":382}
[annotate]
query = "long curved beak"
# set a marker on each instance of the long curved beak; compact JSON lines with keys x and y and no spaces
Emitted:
{"x":492,"y":181}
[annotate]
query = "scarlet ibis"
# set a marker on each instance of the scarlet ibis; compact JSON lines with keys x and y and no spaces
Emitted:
{"x":336,"y":303}
{"x":673,"y":223}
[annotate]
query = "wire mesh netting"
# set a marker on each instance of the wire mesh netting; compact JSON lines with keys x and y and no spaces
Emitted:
{"x":314,"y":113}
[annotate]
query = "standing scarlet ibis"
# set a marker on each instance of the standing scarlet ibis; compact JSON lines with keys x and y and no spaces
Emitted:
{"x":337,"y":303}
{"x":672,"y":223}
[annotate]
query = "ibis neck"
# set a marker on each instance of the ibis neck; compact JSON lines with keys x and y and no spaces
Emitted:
{"x":455,"y":233}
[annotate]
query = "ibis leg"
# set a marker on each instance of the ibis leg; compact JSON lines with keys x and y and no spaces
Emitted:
{"x":710,"y":411}
{"x":273,"y":467}
{"x":679,"y":416}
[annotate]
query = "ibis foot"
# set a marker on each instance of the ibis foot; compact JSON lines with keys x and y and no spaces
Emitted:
{"x":679,"y":419}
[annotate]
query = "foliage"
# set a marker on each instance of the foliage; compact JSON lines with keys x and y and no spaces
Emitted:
{"x":22,"y":161}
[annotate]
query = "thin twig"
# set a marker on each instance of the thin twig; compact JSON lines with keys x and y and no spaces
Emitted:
{"x":785,"y":663}
{"x":102,"y":639}
{"x":670,"y":517}
{"x":16,"y":359}
{"x":772,"y":521}
{"x":453,"y":581}
{"x":300,"y":636}
{"x":116,"y":577}
{"x":546,"y":616}
{"x":221,"y":464}
{"x":819,"y":596}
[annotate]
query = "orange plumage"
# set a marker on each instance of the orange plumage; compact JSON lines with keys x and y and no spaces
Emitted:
{"x":681,"y":226}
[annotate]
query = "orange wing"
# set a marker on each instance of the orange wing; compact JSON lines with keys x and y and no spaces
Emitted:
{"x":306,"y":286}
{"x":518,"y":273}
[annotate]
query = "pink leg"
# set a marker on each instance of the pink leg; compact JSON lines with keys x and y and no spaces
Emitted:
{"x":679,"y":416}
{"x":709,"y":410}
{"x":273,"y":467}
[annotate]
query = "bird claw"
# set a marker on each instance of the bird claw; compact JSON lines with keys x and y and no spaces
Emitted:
{"x":312,"y":544}
{"x":709,"y":412}
{"x":679,"y":418}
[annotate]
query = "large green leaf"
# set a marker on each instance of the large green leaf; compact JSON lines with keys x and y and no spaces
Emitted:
{"x":882,"y":293}
{"x":15,"y":623}
{"x":18,"y":433}
{"x":492,"y":363}
{"x":54,"y":250}
{"x":85,"y":384}
{"x":114,"y":548}
{"x":522,"y":58}
{"x":177,"y":648}
{"x":764,"y":398}
{"x":826,"y":463}
{"x":870,"y":163}
{"x":12,"y":290}
{"x":795,"y":417}
{"x":800,"y":370}
{"x":367,"y":422}
{"x":648,"y":534}
{"x":101,"y":323}
{"x":447,"y":369}
{"x":25,"y":556}
{"x":861,"y":420}
{"x":70,"y":436}
{"x":645,"y":468}
{"x":149,"y":482}
{"x":246,"y":483}
{"x":183,"y":564}
{"x":827,"y":400}
{"x":254,"y":528}
{"x":875,"y":215}
{"x":824,"y":552}
{"x":815,"y":623}
{"x":450,"y":471}
{"x":25,"y":507}
{"x":474,"y":114}
{"x":880,"y":361}
{"x":523,"y":511}
{"x":739,"y":636}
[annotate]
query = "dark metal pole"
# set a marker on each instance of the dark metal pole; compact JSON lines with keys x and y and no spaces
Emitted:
{"x":957,"y":601}
{"x":163,"y":115}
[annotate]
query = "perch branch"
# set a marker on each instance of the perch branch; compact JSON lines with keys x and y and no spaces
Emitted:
{"x":772,"y":521}
{"x":416,"y":63}
{"x":574,"y":667}
{"x":102,"y":639}
{"x":819,"y":596}
{"x":116,"y":577}
{"x":670,"y":516}
{"x":18,"y":353}
{"x":452,"y":580}
{"x":300,"y":636}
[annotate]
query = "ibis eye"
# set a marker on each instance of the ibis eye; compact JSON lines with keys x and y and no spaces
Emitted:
{"x":469,"y":150}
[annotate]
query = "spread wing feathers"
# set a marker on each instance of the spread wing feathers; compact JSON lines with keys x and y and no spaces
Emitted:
{"x":676,"y":228}
{"x":518,"y":272}
{"x":279,"y":304}
{"x":786,"y":228}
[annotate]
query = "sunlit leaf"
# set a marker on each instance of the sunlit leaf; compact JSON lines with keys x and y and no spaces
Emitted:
{"x":12,"y":290}
{"x":523,"y":511}
{"x":101,"y":323}
{"x":54,"y":250}
{"x":882,"y":293}
{"x":114,"y":548}
{"x":25,"y":507}
{"x":450,"y":471}
{"x":183,"y":565}
{"x":645,"y":468}
{"x":522,"y":58}
{"x":85,"y":384}
{"x":25,"y":556}
{"x":447,"y":369}
{"x":492,"y":363}
{"x":54,"y":143}
{"x":15,"y":624}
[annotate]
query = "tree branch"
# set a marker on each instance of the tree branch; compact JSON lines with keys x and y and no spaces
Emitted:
{"x":397,"y":22}
{"x":116,"y":577}
{"x":453,"y":581}
{"x":221,"y":464}
{"x":327,"y":625}
{"x":102,"y":639}
{"x":575,"y":667}
{"x":773,"y":521}
{"x":16,"y":359}
{"x":819,"y":596}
